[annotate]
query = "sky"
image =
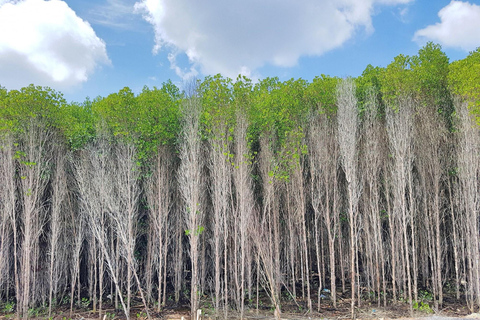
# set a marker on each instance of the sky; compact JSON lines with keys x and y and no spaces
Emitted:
{"x":90,"y":48}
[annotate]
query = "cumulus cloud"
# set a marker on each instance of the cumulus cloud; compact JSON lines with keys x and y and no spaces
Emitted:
{"x":459,"y":27}
{"x":46,"y":43}
{"x":240,"y":36}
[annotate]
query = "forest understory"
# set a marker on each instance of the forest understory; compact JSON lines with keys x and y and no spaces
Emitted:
{"x":292,"y":309}
{"x":338,"y":198}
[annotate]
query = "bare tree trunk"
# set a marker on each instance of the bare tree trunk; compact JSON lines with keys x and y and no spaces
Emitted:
{"x":296,"y":204}
{"x":468,"y":163}
{"x":158,"y":192}
{"x":57,"y":224}
{"x":77,"y":230}
{"x":33,"y":162}
{"x":399,"y":128}
{"x":266,"y":237}
{"x":8,"y":212}
{"x":190,"y":183}
{"x":347,"y":141}
{"x":245,"y":201}
{"x":178,"y":265}
{"x":455,"y":243}
{"x":431,"y":137}
{"x":124,"y":211}
{"x":373,"y":151}
{"x":323,"y":155}
{"x":93,"y":172}
{"x":221,"y":175}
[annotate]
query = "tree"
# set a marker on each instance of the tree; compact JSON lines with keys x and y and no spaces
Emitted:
{"x":58,"y":244}
{"x":399,"y":129}
{"x":245,"y":203}
{"x":93,"y":174}
{"x":464,"y":80}
{"x":467,"y":172}
{"x":347,"y":141}
{"x":159,"y":188}
{"x":216,"y":96}
{"x":124,"y":213}
{"x":373,"y":155}
{"x":8,"y":221}
{"x":267,"y":233}
{"x":30,"y":114}
{"x":323,"y":156}
{"x":190,"y":185}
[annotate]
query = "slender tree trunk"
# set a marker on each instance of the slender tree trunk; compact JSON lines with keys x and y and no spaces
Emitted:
{"x":190,"y":183}
{"x":347,"y":141}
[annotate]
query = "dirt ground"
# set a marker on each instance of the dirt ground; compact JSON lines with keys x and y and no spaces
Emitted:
{"x":292,"y":310}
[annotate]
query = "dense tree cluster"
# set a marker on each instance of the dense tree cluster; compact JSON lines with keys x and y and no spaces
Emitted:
{"x":233,"y":189}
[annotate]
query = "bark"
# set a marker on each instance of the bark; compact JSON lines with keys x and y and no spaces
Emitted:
{"x":347,"y":141}
{"x":190,"y":185}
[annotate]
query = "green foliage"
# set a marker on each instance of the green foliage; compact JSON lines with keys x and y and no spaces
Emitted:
{"x":85,"y":303}
{"x":371,"y":79}
{"x":321,"y":94}
{"x":279,"y":107}
{"x":119,"y":112}
{"x":242,"y":93}
{"x":198,"y":231}
{"x":77,"y":123}
{"x":18,"y":106}
{"x":425,"y":295}
{"x":8,"y":307}
{"x":430,"y":71}
{"x":148,"y":120}
{"x":218,"y":109}
{"x":279,"y":110}
{"x":158,"y":114}
{"x":397,"y":79}
{"x":424,"y":77}
{"x":464,"y":80}
{"x":422,"y":306}
{"x":33,"y":312}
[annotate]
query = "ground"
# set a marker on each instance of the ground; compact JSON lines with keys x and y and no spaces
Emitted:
{"x":452,"y":309}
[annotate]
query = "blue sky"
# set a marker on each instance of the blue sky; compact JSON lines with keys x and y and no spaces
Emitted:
{"x":89,"y":48}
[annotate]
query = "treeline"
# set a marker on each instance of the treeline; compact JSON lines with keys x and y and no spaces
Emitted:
{"x":231,"y":189}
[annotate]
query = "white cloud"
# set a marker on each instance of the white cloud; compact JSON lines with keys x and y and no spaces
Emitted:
{"x":459,"y":27}
{"x":240,"y":36}
{"x":46,"y":43}
{"x":114,"y":14}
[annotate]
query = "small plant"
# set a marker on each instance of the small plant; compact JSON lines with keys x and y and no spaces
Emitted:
{"x":141,"y":315}
{"x":66,"y":300}
{"x":289,"y":296}
{"x":421,"y":306}
{"x":85,"y":302}
{"x":208,"y":305}
{"x":110,"y":316}
{"x":33,"y":312}
{"x":424,"y":295}
{"x":9,"y":306}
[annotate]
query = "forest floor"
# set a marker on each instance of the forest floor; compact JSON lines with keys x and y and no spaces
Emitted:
{"x":291,"y":310}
